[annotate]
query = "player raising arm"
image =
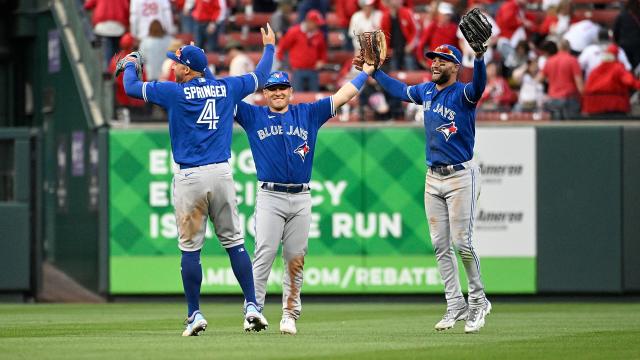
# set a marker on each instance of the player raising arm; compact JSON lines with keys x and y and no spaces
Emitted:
{"x":452,"y":182}
{"x":200,"y":110}
{"x":282,"y":139}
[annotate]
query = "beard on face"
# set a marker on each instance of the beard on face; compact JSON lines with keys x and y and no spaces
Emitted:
{"x":444,"y":77}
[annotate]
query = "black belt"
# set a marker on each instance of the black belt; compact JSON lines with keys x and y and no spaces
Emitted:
{"x":182,"y":167}
{"x":446,"y":169}
{"x":290,"y":189}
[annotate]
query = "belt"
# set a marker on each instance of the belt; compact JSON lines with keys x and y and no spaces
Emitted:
{"x":446,"y":169}
{"x":182,"y":167}
{"x":290,"y":189}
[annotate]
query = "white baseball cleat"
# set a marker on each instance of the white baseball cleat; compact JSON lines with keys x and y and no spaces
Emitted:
{"x":253,"y":318}
{"x":195,"y":324}
{"x":288,"y":326}
{"x":450,"y":317}
{"x":475,"y":320}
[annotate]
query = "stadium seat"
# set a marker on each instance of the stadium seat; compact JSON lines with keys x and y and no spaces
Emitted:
{"x":512,"y":116}
{"x":253,"y":20}
{"x":339,"y":57}
{"x":412,"y":77}
{"x":336,"y":39}
{"x":252,"y":39}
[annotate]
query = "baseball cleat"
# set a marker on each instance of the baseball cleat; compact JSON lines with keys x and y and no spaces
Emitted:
{"x":288,"y":326}
{"x":450,"y":317}
{"x":195,"y":324}
{"x":253,"y":318}
{"x":475,"y":320}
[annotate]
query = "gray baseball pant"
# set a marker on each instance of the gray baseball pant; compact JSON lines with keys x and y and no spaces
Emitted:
{"x":282,"y":218}
{"x":450,"y":204}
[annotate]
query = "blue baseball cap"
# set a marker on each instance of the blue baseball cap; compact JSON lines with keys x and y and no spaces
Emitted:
{"x":191,"y":56}
{"x":447,"y":52}
{"x":277,"y":78}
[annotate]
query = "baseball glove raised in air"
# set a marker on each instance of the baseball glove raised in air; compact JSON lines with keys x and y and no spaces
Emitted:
{"x":373,"y":49}
{"x":476,"y":29}
{"x":135,"y":58}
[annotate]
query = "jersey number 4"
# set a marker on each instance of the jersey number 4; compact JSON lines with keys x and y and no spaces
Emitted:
{"x":208,"y":115}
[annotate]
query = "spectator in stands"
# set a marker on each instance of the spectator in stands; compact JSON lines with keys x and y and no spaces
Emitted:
{"x":497,"y":95}
{"x":547,"y":49}
{"x":468,"y":55}
{"x":581,"y":34}
{"x":344,"y":11}
{"x":184,"y":9}
{"x":557,"y":20}
{"x":398,"y":24}
{"x":110,"y":21}
{"x":368,"y":18}
{"x":591,"y":56}
{"x":168,"y":73}
{"x":439,"y":28}
{"x":307,"y":49}
{"x":210,"y":18}
{"x":520,"y":56}
{"x":280,"y":20}
{"x":305,"y":6}
{"x":607,"y":88}
{"x":154,"y":49}
{"x":531,"y":91}
{"x":240,"y":63}
{"x":125,"y":104}
{"x":514,"y":23}
{"x":564,"y":77}
{"x":143,"y":12}
{"x":626,"y":32}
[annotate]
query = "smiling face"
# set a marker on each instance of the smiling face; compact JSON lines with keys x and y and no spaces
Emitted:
{"x":278,"y":97}
{"x":443,"y":70}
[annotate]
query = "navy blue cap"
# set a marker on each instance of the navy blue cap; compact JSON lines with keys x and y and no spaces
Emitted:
{"x":277,"y":78}
{"x":448,"y":52}
{"x":191,"y":56}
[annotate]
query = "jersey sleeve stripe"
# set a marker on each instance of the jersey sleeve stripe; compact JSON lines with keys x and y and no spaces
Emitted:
{"x":144,"y":91}
{"x":409,"y":95}
{"x":256,"y":80}
{"x":464,"y":90}
{"x":333,"y":110}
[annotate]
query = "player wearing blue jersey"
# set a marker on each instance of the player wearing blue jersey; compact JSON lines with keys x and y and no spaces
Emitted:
{"x":452,"y":183}
{"x":200,"y":110}
{"x":283,"y":142}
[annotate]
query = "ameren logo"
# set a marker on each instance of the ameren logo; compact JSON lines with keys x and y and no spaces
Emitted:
{"x":501,"y":169}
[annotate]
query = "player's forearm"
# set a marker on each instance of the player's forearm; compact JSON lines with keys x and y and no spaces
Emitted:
{"x":264,"y":66}
{"x":132,"y":85}
{"x":349,"y":90}
{"x":479,"y":82}
{"x":394,"y":87}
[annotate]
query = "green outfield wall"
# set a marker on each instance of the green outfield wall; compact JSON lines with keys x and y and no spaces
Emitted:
{"x":368,"y":233}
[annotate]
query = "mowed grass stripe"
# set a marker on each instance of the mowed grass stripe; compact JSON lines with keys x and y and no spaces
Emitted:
{"x":326,"y":331}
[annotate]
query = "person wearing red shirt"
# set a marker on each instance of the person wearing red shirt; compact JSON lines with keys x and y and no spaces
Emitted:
{"x":344,"y":10}
{"x":307,"y":49}
{"x":497,"y":95}
{"x":564,"y":78}
{"x":438,"y":30}
{"x":608,"y":85}
{"x":209,"y":16}
{"x":400,"y":28}
{"x":124,"y":103}
{"x":110,"y":21}
{"x":511,"y":16}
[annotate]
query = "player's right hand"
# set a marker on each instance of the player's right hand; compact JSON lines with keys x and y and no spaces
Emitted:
{"x":268,"y":36}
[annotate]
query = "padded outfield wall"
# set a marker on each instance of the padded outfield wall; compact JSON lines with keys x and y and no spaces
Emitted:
{"x":369,"y":233}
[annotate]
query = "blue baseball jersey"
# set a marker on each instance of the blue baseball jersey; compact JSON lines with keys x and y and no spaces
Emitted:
{"x":200,"y":115}
{"x":283,"y":145}
{"x":449,"y":121}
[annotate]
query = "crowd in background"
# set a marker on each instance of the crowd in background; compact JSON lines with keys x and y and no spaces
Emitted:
{"x":547,"y":56}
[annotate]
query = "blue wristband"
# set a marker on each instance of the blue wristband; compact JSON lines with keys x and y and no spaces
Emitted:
{"x":359,"y":80}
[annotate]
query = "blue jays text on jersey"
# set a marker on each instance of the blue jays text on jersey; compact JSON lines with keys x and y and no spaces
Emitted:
{"x":283,"y":144}
{"x":449,"y":114}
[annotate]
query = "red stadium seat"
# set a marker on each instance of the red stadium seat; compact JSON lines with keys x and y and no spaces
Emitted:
{"x":339,"y":57}
{"x":412,"y":77}
{"x":254,"y":20}
{"x":336,"y":39}
{"x":252,"y":39}
{"x":604,"y":16}
{"x":512,"y":116}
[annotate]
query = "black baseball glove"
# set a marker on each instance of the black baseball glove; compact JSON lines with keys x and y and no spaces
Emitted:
{"x":135,"y":58}
{"x":476,"y":29}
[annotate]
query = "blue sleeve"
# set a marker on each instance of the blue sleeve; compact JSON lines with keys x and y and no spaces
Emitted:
{"x":244,"y":115}
{"x":393,"y":87}
{"x":263,"y":69}
{"x":474,"y":92}
{"x":132,"y":85}
{"x":322,"y":110}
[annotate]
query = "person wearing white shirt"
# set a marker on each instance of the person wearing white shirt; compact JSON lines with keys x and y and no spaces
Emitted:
{"x":143,"y":12}
{"x":368,"y":18}
{"x":591,"y":56}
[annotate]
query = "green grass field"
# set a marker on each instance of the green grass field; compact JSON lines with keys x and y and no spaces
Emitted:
{"x":326,"y":331}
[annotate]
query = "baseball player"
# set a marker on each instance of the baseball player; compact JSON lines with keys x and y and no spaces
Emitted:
{"x":282,"y":139}
{"x":200,"y":110}
{"x":452,"y":181}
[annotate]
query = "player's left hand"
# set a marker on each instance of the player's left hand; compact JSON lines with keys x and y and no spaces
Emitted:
{"x":135,"y":58}
{"x":268,"y":36}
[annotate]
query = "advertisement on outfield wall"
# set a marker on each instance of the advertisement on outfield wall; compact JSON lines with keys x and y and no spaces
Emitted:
{"x":368,"y":232}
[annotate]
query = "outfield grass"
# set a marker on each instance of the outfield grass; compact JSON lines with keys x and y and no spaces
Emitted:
{"x":326,"y":331}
